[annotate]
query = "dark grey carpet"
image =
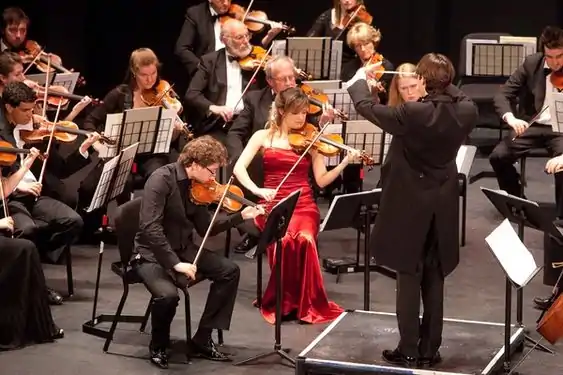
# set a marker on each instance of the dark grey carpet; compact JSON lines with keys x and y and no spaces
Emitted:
{"x":475,"y":291}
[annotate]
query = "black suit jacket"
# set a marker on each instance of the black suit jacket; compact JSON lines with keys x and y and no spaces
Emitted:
{"x":525,"y":87}
{"x":168,"y":217}
{"x":419,"y":177}
{"x":197,"y":36}
{"x":209,"y":87}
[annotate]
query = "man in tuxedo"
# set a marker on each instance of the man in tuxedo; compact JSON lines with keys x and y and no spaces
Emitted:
{"x":214,"y":97}
{"x":528,"y":89}
{"x":420,"y":194}
{"x":201,"y":33}
{"x":27,"y":204}
{"x":165,"y":251}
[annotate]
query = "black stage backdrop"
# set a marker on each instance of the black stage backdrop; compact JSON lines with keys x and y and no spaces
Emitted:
{"x":96,"y":37}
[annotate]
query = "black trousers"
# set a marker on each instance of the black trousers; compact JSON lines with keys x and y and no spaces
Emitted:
{"x":163,"y":286}
{"x":421,"y":338}
{"x":507,"y":152}
{"x":64,"y":225}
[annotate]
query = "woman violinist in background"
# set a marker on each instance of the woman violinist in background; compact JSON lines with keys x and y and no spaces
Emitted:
{"x":405,"y":86}
{"x":335,"y":23}
{"x":305,"y":298}
{"x":25,"y":315}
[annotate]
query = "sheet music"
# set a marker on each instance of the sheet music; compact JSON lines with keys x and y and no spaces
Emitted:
{"x":340,"y":98}
{"x":40,"y":78}
{"x":530,"y":43}
{"x":331,"y":161}
{"x":514,"y":257}
{"x":102,"y":189}
{"x":279,"y":47}
{"x":469,"y":61}
{"x":366,"y":136}
{"x":339,"y":197}
{"x":555,"y":102}
{"x":140,"y":126}
{"x":319,"y":56}
{"x":464,"y":159}
{"x":67,"y":80}
{"x":322,"y":85}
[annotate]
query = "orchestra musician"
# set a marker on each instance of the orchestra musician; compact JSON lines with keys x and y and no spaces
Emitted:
{"x":405,"y":86}
{"x":164,"y":248}
{"x":214,"y":96}
{"x":280,"y":75}
{"x":330,"y":24}
{"x":305,"y":298}
{"x":531,"y":85}
{"x":201,"y":33}
{"x":27,"y":203}
{"x":11,"y":70}
{"x":25,"y":316}
{"x":420,"y":192}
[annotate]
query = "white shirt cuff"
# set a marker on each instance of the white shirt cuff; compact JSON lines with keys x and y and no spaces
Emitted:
{"x":85,"y":154}
{"x":360,"y":74}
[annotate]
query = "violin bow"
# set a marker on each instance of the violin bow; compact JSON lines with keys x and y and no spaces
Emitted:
{"x":54,"y":127}
{"x":35,"y":58}
{"x":256,"y":69}
{"x":219,"y":206}
{"x":44,"y":112}
{"x":354,"y":14}
{"x":319,"y":134}
{"x":247,"y":10}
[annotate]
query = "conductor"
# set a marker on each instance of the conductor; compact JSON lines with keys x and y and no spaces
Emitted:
{"x":420,"y":195}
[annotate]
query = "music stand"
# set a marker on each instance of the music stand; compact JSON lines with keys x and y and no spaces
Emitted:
{"x":555,"y":103}
{"x":274,"y":231}
{"x":111,"y":184}
{"x":524,"y":213}
{"x":354,"y":211}
{"x":150,"y":127}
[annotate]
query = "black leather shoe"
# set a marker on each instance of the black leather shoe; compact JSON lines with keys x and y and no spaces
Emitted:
{"x":542,"y":303}
{"x":54,"y":297}
{"x":395,"y":357}
{"x":247,"y":243}
{"x":430,"y":361}
{"x":59,"y":333}
{"x":209,"y":351}
{"x":159,"y":358}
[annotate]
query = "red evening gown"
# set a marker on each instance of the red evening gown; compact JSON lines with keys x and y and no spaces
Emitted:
{"x":304,"y":296}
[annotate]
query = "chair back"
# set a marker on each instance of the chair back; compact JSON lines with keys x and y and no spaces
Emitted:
{"x":463,"y":48}
{"x":126,"y":227}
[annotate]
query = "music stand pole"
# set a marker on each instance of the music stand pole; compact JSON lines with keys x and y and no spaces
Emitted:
{"x":274,"y":231}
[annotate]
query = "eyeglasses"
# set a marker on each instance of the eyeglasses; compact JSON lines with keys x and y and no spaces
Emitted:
{"x":213,"y":172}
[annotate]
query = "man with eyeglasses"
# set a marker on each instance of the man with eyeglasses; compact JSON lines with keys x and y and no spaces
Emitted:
{"x":214,"y":97}
{"x":165,"y":248}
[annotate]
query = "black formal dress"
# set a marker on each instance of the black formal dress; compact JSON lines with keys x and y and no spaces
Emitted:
{"x":165,"y":238}
{"x":25,"y":315}
{"x":527,"y":86}
{"x":209,"y":87}
{"x":420,"y":197}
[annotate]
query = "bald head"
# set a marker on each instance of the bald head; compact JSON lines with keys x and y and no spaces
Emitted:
{"x":236,"y":38}
{"x":232,"y":27}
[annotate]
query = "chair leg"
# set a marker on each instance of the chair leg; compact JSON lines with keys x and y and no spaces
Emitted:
{"x":146,"y":317}
{"x":116,"y":317}
{"x":69,"y":278}
{"x":523,"y":182}
{"x":463,"y":215}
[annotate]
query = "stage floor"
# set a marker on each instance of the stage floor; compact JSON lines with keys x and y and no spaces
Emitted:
{"x":354,"y":342}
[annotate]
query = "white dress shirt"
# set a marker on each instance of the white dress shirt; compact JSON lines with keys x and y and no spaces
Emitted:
{"x":234,"y":85}
{"x":216,"y":30}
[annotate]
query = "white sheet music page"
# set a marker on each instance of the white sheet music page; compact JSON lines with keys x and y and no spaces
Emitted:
{"x":514,"y":257}
{"x":555,"y":102}
{"x":111,"y":130}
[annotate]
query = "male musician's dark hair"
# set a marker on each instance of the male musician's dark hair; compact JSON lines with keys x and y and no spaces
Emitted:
{"x":437,"y":70}
{"x":7,"y":62}
{"x":16,"y":93}
{"x":12,"y":16}
{"x":204,"y":151}
{"x":551,"y":37}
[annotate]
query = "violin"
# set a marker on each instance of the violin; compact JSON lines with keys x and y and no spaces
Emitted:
{"x":556,"y":79}
{"x":327,"y":145}
{"x":163,"y":95}
{"x":254,"y":21}
{"x":9,"y":154}
{"x":65,"y":131}
{"x":355,"y":15}
{"x":258,"y":55}
{"x":212,"y":191}
{"x":59,"y":95}
{"x":33,"y":53}
{"x":316,"y":101}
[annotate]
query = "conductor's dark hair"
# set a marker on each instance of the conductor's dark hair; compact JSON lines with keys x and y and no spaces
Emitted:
{"x":16,"y":93}
{"x":13,"y":15}
{"x":438,"y":72}
{"x":551,"y":37}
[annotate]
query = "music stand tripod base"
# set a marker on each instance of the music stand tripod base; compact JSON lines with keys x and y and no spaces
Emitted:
{"x":274,"y":231}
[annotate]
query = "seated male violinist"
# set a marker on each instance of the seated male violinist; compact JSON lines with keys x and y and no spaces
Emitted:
{"x":11,"y":70}
{"x":27,"y":204}
{"x":201,"y":32}
{"x":15,"y":25}
{"x":280,"y":74}
{"x":364,"y":40}
{"x":214,"y":97}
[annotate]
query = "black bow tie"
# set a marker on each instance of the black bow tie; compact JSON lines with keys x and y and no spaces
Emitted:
{"x":232,"y":58}
{"x":214,"y":17}
{"x":547,"y":71}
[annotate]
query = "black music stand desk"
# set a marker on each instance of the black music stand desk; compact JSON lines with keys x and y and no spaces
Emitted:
{"x":274,"y":231}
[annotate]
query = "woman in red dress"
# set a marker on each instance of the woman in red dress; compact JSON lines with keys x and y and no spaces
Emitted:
{"x":304,"y":296}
